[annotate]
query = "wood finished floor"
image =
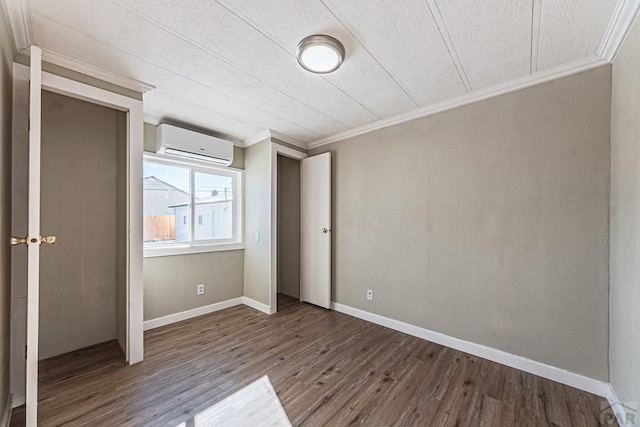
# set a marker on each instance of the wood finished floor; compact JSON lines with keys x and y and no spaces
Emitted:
{"x":327,"y":369}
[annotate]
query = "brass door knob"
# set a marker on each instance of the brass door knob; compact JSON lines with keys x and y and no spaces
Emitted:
{"x":49,"y":240}
{"x":19,"y":241}
{"x":325,"y":230}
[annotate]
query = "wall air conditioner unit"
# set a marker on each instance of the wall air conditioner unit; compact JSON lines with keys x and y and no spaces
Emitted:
{"x":193,"y":145}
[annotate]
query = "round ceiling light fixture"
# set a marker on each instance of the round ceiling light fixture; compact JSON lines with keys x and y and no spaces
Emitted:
{"x":320,"y":54}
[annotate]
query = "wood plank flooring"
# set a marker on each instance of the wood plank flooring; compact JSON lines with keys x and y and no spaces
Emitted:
{"x":327,"y":369}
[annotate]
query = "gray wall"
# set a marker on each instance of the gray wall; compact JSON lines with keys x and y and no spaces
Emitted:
{"x":487,"y":223}
{"x":78,"y":276}
{"x":288,"y":245}
{"x":170,"y":282}
{"x":625,"y":222}
{"x":257,"y":215}
{"x":6,"y":73}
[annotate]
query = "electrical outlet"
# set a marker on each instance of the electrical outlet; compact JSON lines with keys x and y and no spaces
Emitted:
{"x":369,"y":294}
{"x":200,"y":289}
{"x":257,"y":236}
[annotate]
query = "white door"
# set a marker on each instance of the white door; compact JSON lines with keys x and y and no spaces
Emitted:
{"x":315,"y":230}
{"x":33,"y":240}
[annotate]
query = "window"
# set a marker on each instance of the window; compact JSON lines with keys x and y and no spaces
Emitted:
{"x":189,"y":207}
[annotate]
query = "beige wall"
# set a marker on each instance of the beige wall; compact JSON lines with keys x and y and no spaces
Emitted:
{"x":487,"y":223}
{"x":288,"y":245}
{"x":78,"y":276}
{"x":625,"y":222}
{"x":170,"y":282}
{"x":6,"y":54}
{"x":257,"y":214}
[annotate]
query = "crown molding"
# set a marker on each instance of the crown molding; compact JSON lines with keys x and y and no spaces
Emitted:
{"x":73,"y":64}
{"x":624,"y":15}
{"x":258,"y":137}
{"x":18,"y":14}
{"x":478,"y":95}
{"x":272,"y":134}
{"x":152,"y":120}
{"x":284,"y":138}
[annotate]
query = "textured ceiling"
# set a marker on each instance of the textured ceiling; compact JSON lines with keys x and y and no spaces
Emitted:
{"x":229,"y":65}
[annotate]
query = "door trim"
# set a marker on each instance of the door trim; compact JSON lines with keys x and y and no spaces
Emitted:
{"x":133,"y":107}
{"x":297,"y":155}
{"x":134,"y":351}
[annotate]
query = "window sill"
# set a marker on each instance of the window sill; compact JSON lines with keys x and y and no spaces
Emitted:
{"x":190,"y":249}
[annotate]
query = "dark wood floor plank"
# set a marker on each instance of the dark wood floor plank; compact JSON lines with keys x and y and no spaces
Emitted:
{"x":327,"y":369}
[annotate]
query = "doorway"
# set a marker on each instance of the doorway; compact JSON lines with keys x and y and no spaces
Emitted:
{"x":307,"y":270}
{"x":28,"y":84}
{"x":288,"y":228}
{"x":83,"y":203}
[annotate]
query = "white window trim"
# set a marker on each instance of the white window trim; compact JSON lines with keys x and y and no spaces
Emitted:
{"x":197,"y":247}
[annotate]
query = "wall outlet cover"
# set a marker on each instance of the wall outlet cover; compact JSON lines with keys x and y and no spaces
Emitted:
{"x":200,"y":289}
{"x":369,"y":294}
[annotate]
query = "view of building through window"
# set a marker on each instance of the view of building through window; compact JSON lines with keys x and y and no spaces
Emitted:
{"x":170,"y":191}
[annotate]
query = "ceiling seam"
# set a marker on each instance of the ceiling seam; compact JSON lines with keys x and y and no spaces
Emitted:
{"x":448,"y":41}
{"x":536,"y":18}
{"x":384,"y":68}
{"x":188,"y":79}
{"x":226,"y":61}
{"x":284,"y":48}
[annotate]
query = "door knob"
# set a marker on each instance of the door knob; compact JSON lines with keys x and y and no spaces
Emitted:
{"x":19,"y":241}
{"x":50,"y":240}
{"x":325,"y":230}
{"x":25,"y":240}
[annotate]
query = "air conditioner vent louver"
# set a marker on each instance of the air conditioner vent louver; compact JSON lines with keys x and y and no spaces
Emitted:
{"x":180,"y":142}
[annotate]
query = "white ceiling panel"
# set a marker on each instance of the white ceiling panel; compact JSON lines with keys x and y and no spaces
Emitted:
{"x":69,"y":42}
{"x":141,"y":39}
{"x":229,"y":65}
{"x":492,"y":37}
{"x":196,"y":115}
{"x":235,"y":42}
{"x":404,"y":37}
{"x":571,"y":30}
{"x":379,"y":91}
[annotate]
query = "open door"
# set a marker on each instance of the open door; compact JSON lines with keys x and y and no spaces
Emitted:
{"x":26,"y":202}
{"x":33,"y":240}
{"x":315,"y":225}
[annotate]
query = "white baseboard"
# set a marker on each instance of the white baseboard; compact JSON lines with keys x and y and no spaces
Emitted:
{"x":618,"y":408}
{"x":18,"y":400}
{"x":6,"y":414}
{"x":189,"y":314}
{"x":522,"y":363}
{"x":184,"y":315}
{"x":257,"y":305}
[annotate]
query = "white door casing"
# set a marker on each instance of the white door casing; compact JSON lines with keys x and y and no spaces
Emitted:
{"x":315,"y":233}
{"x":28,"y":286}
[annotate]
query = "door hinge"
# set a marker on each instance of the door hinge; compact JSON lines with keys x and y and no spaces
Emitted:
{"x":25,"y":351}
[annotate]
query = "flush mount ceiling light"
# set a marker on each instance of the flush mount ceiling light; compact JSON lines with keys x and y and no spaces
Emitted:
{"x":320,"y":54}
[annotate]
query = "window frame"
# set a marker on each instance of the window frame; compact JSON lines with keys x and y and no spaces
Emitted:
{"x":209,"y":245}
